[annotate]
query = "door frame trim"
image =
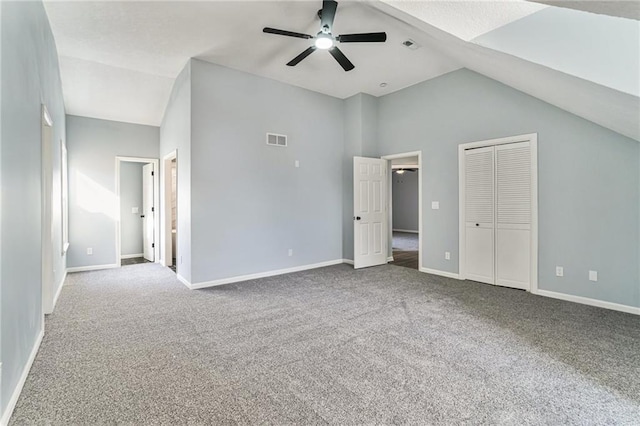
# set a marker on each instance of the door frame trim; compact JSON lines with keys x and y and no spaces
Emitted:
{"x":532,"y":138}
{"x":390,"y":199}
{"x":47,"y":278}
{"x":165,"y":184}
{"x":156,"y":203}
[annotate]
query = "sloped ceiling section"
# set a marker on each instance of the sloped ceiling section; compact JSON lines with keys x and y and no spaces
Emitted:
{"x":617,"y":109}
{"x":119,"y":59}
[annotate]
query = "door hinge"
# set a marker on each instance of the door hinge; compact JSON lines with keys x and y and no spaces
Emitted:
{"x":152,"y":173}
{"x":153,"y":245}
{"x":153,"y":209}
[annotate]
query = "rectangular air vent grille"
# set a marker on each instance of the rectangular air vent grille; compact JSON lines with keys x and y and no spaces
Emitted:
{"x":276,"y":140}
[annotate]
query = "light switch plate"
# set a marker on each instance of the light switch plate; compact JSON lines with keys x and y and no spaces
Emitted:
{"x":593,"y":275}
{"x":559,"y":271}
{"x":435,"y":205}
{"x":297,"y":163}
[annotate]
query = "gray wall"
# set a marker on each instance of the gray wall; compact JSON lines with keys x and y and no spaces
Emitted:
{"x":405,"y":200}
{"x":92,"y":146}
{"x":30,"y":77}
{"x":589,"y":197}
{"x":175,"y":134}
{"x":130,"y":196}
{"x":360,"y":140}
{"x":249,"y":203}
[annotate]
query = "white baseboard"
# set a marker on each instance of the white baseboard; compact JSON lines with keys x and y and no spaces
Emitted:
{"x":347,"y":261}
{"x":411,"y":231}
{"x":58,"y":291}
{"x":23,"y":378}
{"x":390,"y":259}
{"x":240,"y":278}
{"x":588,"y":301}
{"x":92,"y":267}
{"x":131,"y":256}
{"x":441,"y":273}
{"x":184,"y":281}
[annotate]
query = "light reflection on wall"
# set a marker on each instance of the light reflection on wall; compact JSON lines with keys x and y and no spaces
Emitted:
{"x":94,"y":198}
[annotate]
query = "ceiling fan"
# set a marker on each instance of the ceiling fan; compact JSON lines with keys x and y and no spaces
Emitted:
{"x":402,"y":170}
{"x":325,"y":40}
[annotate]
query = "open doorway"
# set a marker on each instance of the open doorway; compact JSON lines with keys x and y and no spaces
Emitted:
{"x":404,"y":221}
{"x":170,"y":216}
{"x":137,"y":192}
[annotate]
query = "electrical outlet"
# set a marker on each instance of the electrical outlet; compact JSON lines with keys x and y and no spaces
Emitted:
{"x":89,"y":251}
{"x":593,"y":275}
{"x":290,"y":252}
{"x":447,"y":255}
{"x":297,"y":163}
{"x":559,"y":271}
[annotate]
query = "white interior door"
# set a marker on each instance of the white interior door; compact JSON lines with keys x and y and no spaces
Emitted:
{"x":369,"y":207}
{"x":479,"y":214}
{"x":148,"y":211}
{"x":513,"y":215}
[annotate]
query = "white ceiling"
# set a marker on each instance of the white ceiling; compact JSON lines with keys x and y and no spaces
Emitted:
{"x":629,"y":9}
{"x":118,"y":60}
{"x":591,"y":100}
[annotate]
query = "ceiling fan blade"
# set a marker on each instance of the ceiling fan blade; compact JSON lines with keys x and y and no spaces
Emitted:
{"x":362,"y":38}
{"x":328,"y":13}
{"x":342,"y":60}
{"x":285,"y":33}
{"x":295,"y":61}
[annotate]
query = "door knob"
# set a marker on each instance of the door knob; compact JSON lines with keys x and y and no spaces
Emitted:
{"x":357,"y":218}
{"x":477,"y":224}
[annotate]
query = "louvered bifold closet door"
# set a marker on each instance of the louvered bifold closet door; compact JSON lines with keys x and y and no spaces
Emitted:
{"x":479,"y":214}
{"x":513,"y":218}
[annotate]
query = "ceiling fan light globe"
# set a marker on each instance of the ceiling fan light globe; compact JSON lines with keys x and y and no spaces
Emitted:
{"x":324,"y":42}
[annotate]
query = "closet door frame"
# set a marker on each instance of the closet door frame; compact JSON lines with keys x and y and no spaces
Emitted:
{"x":532,"y":138}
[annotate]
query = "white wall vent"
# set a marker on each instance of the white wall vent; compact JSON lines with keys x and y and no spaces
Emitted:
{"x":276,"y":140}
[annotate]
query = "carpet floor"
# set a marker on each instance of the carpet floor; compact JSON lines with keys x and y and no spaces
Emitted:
{"x":406,"y":241}
{"x":382,"y":345}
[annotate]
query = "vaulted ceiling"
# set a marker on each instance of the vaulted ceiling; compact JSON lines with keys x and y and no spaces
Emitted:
{"x":118,"y":60}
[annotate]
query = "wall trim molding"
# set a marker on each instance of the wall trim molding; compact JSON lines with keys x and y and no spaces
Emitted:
{"x":55,"y":298}
{"x":92,"y":267}
{"x":131,"y":256}
{"x":588,"y":301}
{"x":390,"y":259}
{"x":184,"y":281}
{"x":441,"y":273}
{"x":240,"y":278}
{"x":347,"y":261}
{"x":406,"y":230}
{"x":23,"y":378}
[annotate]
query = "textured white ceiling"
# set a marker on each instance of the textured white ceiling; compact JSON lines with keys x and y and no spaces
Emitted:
{"x":468,"y":19}
{"x":117,"y":58}
{"x":629,"y":9}
{"x":595,"y":102}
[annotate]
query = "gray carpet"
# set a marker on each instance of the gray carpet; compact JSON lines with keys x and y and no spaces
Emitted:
{"x":383,"y":345}
{"x":406,"y":241}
